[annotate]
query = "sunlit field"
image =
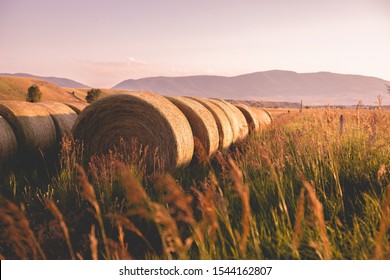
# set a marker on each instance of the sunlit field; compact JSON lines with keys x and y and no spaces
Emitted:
{"x":313,"y":185}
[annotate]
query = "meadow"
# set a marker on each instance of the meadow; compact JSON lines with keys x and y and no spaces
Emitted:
{"x":310,"y":186}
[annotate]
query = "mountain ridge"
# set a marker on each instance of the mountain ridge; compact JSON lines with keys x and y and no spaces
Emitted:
{"x":274,"y":85}
{"x":62,"y":82}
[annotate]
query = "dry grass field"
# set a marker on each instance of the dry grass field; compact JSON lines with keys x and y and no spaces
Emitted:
{"x":307,"y":187}
{"x":15,"y":88}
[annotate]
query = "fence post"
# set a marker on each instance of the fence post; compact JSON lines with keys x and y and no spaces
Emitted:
{"x":341,"y":124}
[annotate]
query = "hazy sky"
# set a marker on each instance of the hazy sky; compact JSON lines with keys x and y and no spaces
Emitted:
{"x":101,"y":43}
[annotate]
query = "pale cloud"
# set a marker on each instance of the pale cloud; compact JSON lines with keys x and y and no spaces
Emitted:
{"x":109,"y":73}
{"x":132,"y":61}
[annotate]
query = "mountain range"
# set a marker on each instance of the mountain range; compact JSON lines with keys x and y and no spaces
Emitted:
{"x":312,"y":88}
{"x":318,"y":88}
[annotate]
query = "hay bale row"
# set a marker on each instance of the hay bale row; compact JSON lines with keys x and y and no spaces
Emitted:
{"x":32,"y":127}
{"x":225,"y":132}
{"x":236,"y":118}
{"x":32,"y":124}
{"x":167,"y":126}
{"x":152,"y":120}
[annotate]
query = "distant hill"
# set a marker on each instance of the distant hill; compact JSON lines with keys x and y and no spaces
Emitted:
{"x":62,"y":82}
{"x":15,"y":88}
{"x":313,"y":88}
{"x":81,"y":93}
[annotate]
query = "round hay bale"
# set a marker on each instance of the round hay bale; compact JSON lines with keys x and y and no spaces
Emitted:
{"x":150,"y":119}
{"x":224,"y":128}
{"x":251,"y":117}
{"x":77,"y":106}
{"x":63,"y":117}
{"x":33,"y":127}
{"x":263,"y":116}
{"x":201,"y":120}
{"x":236,"y":118}
{"x":8,"y":144}
{"x":268,"y":113}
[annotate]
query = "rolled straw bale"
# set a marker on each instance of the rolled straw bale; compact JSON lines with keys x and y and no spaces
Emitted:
{"x":202,"y":122}
{"x":33,"y":127}
{"x":263,"y":116}
{"x":152,"y":120}
{"x":236,"y":118}
{"x":8,"y":144}
{"x":224,"y":128}
{"x":251,"y":117}
{"x":63,"y":117}
{"x":77,"y":106}
{"x":268,"y":113}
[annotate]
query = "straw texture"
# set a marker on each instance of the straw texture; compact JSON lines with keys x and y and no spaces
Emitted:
{"x":201,"y":120}
{"x":236,"y":118}
{"x":33,"y":127}
{"x":224,"y":128}
{"x":251,"y":116}
{"x":8,"y":144}
{"x":263,"y":116}
{"x":63,"y":117}
{"x":150,"y":119}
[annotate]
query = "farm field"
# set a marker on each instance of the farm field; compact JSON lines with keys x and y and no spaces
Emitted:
{"x":305,"y":187}
{"x":15,"y":88}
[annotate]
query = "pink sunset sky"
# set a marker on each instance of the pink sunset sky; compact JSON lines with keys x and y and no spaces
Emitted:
{"x":100,"y":43}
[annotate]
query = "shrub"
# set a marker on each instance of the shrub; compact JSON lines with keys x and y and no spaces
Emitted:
{"x":93,"y":95}
{"x":34,"y":94}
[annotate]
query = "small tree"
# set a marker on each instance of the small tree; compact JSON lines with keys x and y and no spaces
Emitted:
{"x":34,"y":94}
{"x":93,"y":95}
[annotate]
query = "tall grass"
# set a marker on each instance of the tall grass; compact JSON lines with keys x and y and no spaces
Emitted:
{"x":302,"y":189}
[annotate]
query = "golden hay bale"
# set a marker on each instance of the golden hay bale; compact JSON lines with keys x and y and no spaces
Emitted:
{"x":251,"y":116}
{"x":201,"y":120}
{"x":236,"y":118}
{"x":8,"y":144}
{"x":63,"y":117}
{"x":150,"y":119}
{"x":224,"y":128}
{"x":268,"y":113}
{"x":263,"y":116}
{"x":77,"y":106}
{"x":33,"y":127}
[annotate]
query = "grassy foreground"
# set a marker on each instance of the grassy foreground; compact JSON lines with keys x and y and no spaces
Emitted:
{"x":308,"y":187}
